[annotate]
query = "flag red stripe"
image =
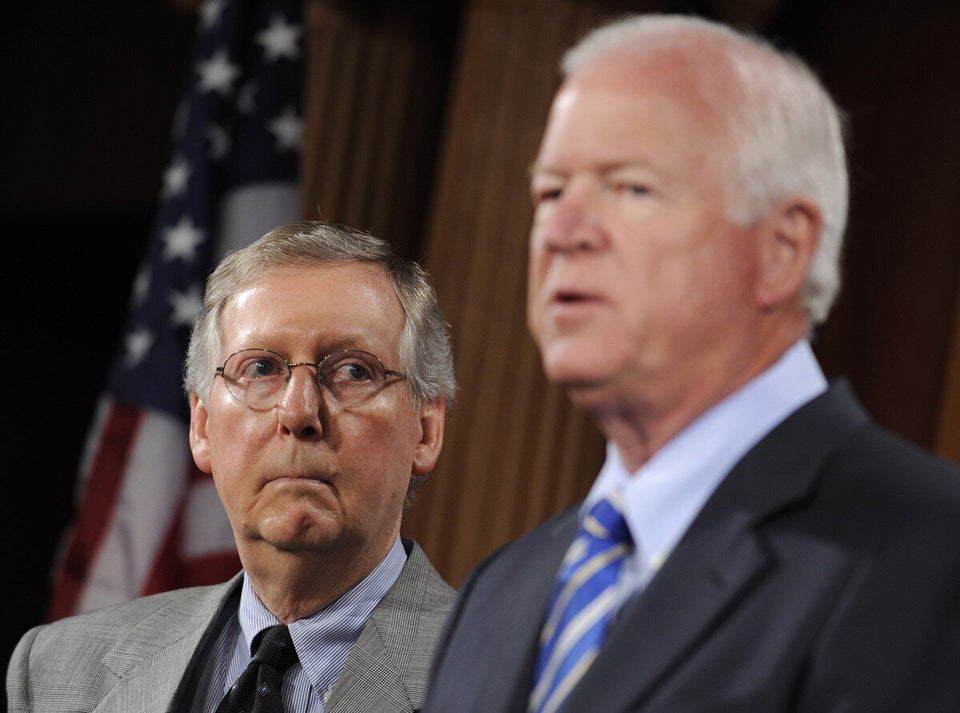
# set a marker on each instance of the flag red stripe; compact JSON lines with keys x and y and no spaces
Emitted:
{"x":99,"y":498}
{"x":164,"y":574}
{"x":172,"y":569}
{"x":215,"y":567}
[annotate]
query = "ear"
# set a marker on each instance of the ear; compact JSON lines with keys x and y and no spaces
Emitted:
{"x":791,"y":233}
{"x":199,"y":443}
{"x":432,"y":417}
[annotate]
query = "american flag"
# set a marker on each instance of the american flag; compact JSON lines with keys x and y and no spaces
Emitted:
{"x":146,"y":520}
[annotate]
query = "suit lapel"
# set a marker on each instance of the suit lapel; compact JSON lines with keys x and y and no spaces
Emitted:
{"x":387,"y":669}
{"x":152,"y":659}
{"x":719,"y":559}
{"x":516,"y":600}
{"x":783,"y":468}
{"x":707,"y":575}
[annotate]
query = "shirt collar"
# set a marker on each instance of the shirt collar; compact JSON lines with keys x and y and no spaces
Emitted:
{"x":664,"y":496}
{"x":323,"y":640}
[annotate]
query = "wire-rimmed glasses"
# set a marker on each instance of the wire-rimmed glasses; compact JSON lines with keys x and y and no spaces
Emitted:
{"x":258,"y":377}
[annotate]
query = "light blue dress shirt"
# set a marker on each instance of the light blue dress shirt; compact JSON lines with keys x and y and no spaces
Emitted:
{"x":664,"y":496}
{"x":323,"y":641}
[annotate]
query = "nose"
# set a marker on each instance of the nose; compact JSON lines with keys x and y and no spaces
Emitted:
{"x":300,"y":408}
{"x":570,"y":222}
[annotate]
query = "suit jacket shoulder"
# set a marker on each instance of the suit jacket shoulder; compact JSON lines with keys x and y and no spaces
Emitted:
{"x":126,"y":657}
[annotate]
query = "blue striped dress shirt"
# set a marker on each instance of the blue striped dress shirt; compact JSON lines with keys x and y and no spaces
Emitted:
{"x":323,"y":641}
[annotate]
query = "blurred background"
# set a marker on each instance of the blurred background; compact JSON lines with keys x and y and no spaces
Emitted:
{"x":419,"y":125}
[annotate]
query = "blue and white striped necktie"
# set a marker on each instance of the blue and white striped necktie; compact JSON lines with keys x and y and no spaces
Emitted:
{"x":582,"y":605}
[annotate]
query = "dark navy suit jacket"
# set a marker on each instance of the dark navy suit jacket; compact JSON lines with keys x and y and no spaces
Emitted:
{"x":822,"y":575}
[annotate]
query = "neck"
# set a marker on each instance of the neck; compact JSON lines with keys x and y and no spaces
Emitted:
{"x":641,"y":421}
{"x":295,"y":585}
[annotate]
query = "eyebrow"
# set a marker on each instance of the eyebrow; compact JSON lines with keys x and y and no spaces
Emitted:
{"x":599,"y":168}
{"x":536,"y":169}
{"x":326,"y":346}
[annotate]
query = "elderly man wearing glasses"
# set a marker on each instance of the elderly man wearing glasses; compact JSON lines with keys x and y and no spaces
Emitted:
{"x":319,"y":373}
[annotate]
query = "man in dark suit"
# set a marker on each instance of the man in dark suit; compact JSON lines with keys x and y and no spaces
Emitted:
{"x":319,"y":372}
{"x":754,"y":542}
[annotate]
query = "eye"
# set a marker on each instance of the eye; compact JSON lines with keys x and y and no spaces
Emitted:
{"x":631,"y":188}
{"x":257,"y":368}
{"x":354,"y":372}
{"x":546,"y":195}
{"x":351,"y":368}
{"x":544,"y":189}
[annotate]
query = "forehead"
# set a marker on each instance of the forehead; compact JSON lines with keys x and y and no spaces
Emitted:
{"x":641,"y":102}
{"x":338,"y":302}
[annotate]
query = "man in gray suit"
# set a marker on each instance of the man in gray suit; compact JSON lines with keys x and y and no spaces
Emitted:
{"x":319,"y":373}
{"x":754,"y":543}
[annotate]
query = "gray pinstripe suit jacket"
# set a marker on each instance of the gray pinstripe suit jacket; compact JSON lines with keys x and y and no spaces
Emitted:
{"x":135,"y":657}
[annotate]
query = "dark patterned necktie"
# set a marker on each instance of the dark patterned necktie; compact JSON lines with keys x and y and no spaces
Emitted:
{"x":258,"y":688}
{"x":582,"y":605}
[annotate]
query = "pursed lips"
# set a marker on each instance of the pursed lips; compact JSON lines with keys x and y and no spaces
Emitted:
{"x":300,"y":478}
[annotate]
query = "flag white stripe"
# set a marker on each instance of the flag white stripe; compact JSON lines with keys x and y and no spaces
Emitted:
{"x":206,"y":527}
{"x":248,"y":212}
{"x":153,"y":482}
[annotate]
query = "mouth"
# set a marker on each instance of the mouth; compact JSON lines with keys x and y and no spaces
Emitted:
{"x":306,"y":480}
{"x":572,"y":297}
{"x":568,"y":308}
{"x":301,"y":488}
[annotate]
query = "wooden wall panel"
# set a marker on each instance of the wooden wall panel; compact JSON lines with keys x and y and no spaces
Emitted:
{"x":892,"y":69}
{"x":375,"y":93}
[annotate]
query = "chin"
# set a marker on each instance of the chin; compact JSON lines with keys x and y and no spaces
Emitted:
{"x":569,"y":367}
{"x":301,"y":530}
{"x":587,"y":386}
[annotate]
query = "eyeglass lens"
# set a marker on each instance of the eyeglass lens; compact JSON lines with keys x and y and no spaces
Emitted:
{"x":258,"y":377}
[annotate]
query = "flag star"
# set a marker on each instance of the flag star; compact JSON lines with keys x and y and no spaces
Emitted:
{"x":210,"y":12}
{"x":219,"y":142}
{"x":280,"y":39}
{"x":217,"y":74}
{"x":137,"y":344}
{"x":186,"y":306}
{"x":181,"y":240}
{"x":288,"y":128}
{"x":175,"y":177}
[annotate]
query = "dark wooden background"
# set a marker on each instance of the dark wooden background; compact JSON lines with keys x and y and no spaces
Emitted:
{"x":420,"y":127}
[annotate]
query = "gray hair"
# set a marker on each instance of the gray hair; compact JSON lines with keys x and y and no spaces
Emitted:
{"x":787,"y":130}
{"x":426,"y":354}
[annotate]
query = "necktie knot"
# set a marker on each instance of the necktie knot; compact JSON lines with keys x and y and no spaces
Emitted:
{"x":258,"y":690}
{"x":274,"y":647}
{"x":605,"y":520}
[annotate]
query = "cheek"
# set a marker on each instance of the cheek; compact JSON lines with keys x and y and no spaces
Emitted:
{"x":729,"y":271}
{"x":235,"y":447}
{"x":383,"y":457}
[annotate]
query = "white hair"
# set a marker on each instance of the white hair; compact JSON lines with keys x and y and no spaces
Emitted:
{"x":787,"y":131}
